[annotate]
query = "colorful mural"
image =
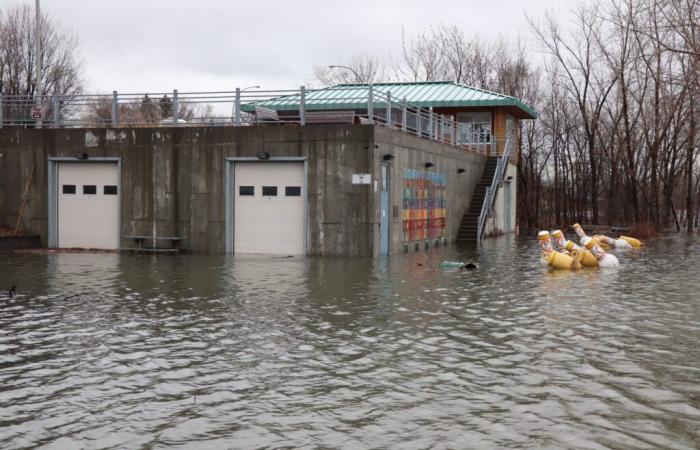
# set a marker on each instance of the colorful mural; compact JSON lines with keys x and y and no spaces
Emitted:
{"x":424,"y":205}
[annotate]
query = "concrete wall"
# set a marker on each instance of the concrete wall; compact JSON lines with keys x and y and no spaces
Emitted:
{"x":173,"y":179}
{"x":496,"y":224}
{"x":412,"y":153}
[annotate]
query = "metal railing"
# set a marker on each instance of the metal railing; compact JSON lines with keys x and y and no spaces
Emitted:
{"x":235,"y":108}
{"x":491,"y":190}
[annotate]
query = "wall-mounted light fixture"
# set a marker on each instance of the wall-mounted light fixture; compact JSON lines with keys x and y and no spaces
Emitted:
{"x":263,"y":155}
{"x":81,"y":156}
{"x":460,"y":170}
{"x":509,"y":178}
{"x":388,"y":157}
{"x":428,"y":165}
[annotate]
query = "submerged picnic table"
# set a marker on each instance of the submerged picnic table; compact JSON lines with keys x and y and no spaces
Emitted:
{"x":140,"y":242}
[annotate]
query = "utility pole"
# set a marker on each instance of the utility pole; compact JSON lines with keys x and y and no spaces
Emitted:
{"x":37,"y":60}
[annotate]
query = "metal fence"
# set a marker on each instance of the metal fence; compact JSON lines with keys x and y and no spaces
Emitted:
{"x":241,"y":107}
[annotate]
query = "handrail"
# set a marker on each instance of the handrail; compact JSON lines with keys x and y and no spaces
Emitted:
{"x":490,"y":196}
{"x":209,"y":108}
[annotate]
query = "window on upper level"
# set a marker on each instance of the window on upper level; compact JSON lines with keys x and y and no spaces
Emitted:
{"x":475,"y":127}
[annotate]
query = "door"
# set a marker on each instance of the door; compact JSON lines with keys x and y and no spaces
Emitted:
{"x":384,"y":207}
{"x":88,"y":205}
{"x":269,"y":207}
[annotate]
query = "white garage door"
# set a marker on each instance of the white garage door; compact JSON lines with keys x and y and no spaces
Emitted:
{"x":88,"y":205}
{"x":269,"y":208}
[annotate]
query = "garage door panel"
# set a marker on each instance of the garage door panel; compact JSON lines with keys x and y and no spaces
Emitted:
{"x":88,"y":220}
{"x":269,"y":224}
{"x":271,"y":212}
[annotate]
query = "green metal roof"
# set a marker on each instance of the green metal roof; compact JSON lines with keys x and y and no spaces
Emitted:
{"x":424,"y":94}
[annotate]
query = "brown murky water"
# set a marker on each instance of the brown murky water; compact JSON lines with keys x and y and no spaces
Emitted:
{"x":129,"y":351}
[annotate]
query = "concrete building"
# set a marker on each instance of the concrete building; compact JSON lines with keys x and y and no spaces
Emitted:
{"x":317,"y":173}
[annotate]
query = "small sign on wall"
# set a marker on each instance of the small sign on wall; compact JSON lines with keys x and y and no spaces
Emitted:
{"x":361,"y":178}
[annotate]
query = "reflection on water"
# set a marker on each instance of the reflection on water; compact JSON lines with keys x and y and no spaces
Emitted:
{"x":113,"y":351}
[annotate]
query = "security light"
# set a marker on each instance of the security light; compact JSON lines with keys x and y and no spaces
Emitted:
{"x":460,"y":170}
{"x":388,"y":157}
{"x":428,"y":165}
{"x":263,"y":155}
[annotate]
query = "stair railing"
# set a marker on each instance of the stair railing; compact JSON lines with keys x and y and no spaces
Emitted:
{"x":491,"y":191}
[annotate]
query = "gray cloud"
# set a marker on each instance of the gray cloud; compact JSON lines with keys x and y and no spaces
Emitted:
{"x":157,"y":45}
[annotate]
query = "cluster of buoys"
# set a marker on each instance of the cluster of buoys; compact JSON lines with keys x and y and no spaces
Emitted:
{"x":591,"y":252}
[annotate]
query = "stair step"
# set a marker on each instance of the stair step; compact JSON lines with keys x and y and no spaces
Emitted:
{"x":467,"y":232}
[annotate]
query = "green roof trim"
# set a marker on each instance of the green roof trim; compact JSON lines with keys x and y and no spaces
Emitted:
{"x":423,"y":94}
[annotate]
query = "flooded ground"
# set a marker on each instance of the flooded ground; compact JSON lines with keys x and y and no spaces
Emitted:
{"x":130,"y":351}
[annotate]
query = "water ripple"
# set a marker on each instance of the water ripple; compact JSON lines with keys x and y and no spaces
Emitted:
{"x":125,"y":351}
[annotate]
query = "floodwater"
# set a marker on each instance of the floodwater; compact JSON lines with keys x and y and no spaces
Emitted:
{"x":208,"y":352}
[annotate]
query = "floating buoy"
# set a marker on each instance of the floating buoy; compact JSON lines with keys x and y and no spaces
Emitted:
{"x":582,"y":234}
{"x":555,"y":260}
{"x":559,"y":238}
{"x":545,"y":247}
{"x":582,"y":255}
{"x":605,"y":260}
{"x":558,"y":260}
{"x":636,"y":243}
{"x":579,"y":231}
{"x":605,"y":241}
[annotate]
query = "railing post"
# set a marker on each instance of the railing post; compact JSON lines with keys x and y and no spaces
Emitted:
{"x":370,"y":103}
{"x":237,"y":107}
{"x":430,"y":123}
{"x":404,"y":116}
{"x":302,"y":106}
{"x":176,"y":107}
{"x":56,"y":107}
{"x":388,"y":109}
{"x":419,"y":122}
{"x":452,"y":131}
{"x":115,"y":109}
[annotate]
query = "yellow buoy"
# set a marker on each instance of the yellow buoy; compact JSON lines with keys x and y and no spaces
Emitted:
{"x":545,"y":247}
{"x":636,"y":243}
{"x":558,"y":237}
{"x":603,"y":241}
{"x":604,"y":259}
{"x":557,"y":260}
{"x":582,"y":235}
{"x":582,"y":255}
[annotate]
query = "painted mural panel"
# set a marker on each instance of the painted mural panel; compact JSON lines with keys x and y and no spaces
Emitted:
{"x":424,"y":205}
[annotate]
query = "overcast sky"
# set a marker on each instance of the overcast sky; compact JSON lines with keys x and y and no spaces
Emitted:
{"x":160,"y":45}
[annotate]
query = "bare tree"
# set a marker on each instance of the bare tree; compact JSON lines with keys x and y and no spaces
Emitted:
{"x":362,"y":69}
{"x":61,"y":65}
{"x":581,"y":57}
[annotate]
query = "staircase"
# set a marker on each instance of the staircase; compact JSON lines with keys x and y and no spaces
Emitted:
{"x":469,"y":228}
